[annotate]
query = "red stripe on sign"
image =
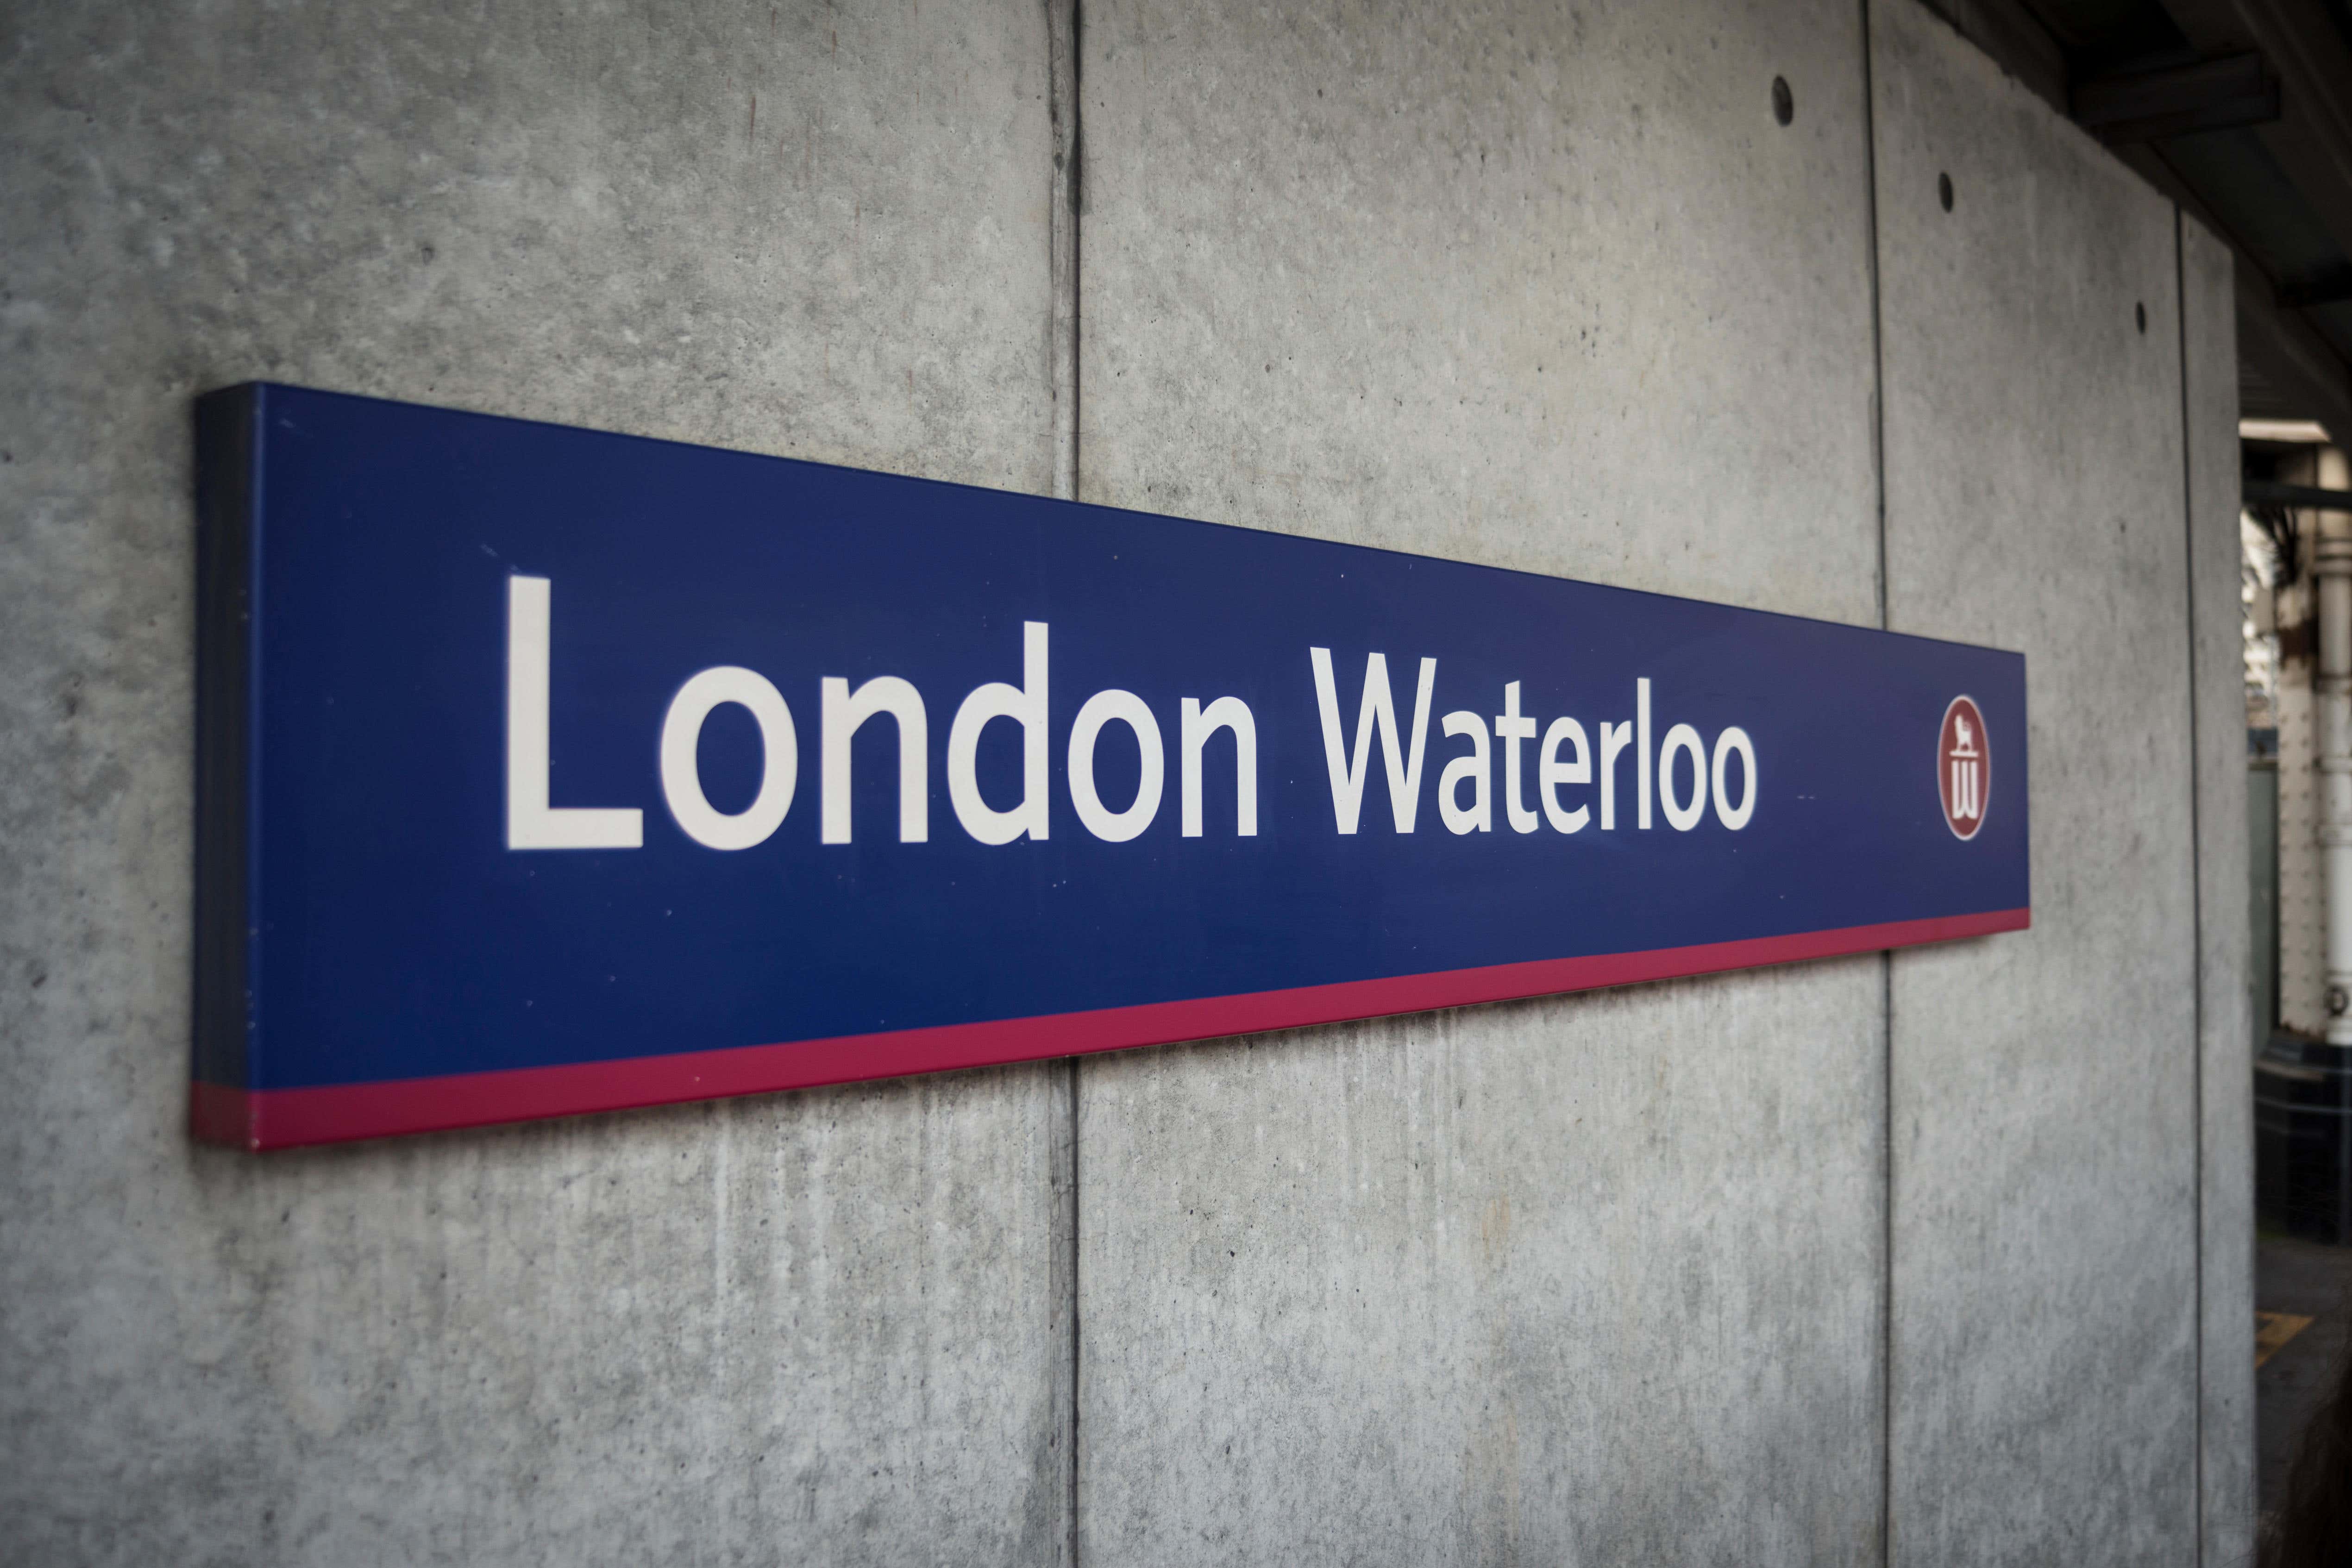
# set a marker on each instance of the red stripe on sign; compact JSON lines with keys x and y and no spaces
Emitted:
{"x":289,"y":1117}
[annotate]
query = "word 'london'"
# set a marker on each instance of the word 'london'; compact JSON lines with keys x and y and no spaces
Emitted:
{"x":1562,"y":757}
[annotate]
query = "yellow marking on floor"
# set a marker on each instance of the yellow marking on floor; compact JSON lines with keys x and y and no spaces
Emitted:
{"x":2271,"y":1331}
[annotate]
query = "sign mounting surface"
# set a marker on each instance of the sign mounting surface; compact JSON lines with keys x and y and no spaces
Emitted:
{"x":545,"y":771}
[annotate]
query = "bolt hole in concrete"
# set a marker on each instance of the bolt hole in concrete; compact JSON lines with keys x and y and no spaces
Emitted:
{"x":1784,"y":102}
{"x":2141,"y":312}
{"x":1944,"y":191}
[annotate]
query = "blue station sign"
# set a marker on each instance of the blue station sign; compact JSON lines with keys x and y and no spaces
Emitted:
{"x":545,"y":771}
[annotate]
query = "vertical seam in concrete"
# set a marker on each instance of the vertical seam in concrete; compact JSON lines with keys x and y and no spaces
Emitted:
{"x":1885,"y":960}
{"x":2196,"y":874}
{"x":1069,"y":1218}
{"x":1062,"y":71}
{"x":1061,"y":88}
{"x":1877,"y":343}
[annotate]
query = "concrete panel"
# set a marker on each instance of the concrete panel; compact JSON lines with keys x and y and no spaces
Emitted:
{"x":1498,"y":281}
{"x":2044,"y":1267}
{"x":824,"y":1326}
{"x":1594,"y":1279}
{"x":2225,"y":1026}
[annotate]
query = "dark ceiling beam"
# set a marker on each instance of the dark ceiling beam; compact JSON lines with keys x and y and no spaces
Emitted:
{"x":2017,"y":43}
{"x":2286,"y":352}
{"x":2310,"y":293}
{"x":2309,"y":138}
{"x":2311,"y":498}
{"x":2312,"y":137}
{"x":2281,"y":347}
{"x":2218,"y":94}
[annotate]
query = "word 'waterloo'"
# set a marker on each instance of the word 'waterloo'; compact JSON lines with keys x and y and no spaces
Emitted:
{"x":1681,"y":772}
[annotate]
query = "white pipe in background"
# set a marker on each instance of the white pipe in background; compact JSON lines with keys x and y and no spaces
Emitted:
{"x":2333,"y":569}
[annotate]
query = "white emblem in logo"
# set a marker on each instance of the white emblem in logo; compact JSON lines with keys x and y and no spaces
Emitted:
{"x":1964,"y":768}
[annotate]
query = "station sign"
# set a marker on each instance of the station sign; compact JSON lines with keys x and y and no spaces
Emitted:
{"x":545,"y":771}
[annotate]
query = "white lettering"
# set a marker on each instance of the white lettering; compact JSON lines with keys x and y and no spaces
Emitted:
{"x":1735,"y":740}
{"x":1510,"y":729}
{"x":1199,"y":724}
{"x":531,"y":823}
{"x":1641,"y":750}
{"x":1614,"y":738}
{"x":1551,"y":773}
{"x":681,"y":778}
{"x":1126,"y":708}
{"x":1467,"y":785}
{"x":1479,"y":817}
{"x":1025,"y":706}
{"x":844,"y":711}
{"x":1346,"y":777}
{"x":1684,"y":815}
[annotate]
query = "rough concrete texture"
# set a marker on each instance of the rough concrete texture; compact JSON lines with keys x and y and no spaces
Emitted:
{"x":1587,"y":1279}
{"x":2045,"y":1232}
{"x":1594,"y":1279}
{"x":1506,"y":282}
{"x":2225,"y":1259}
{"x":822,"y":1326}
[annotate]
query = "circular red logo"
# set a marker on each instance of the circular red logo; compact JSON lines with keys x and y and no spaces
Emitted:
{"x":1964,"y":768}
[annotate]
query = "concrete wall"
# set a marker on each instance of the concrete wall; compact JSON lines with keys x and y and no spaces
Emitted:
{"x":2046,"y":1358}
{"x":1594,"y":1279}
{"x":834,"y":1319}
{"x":2224,"y":938}
{"x":2045,"y":1263}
